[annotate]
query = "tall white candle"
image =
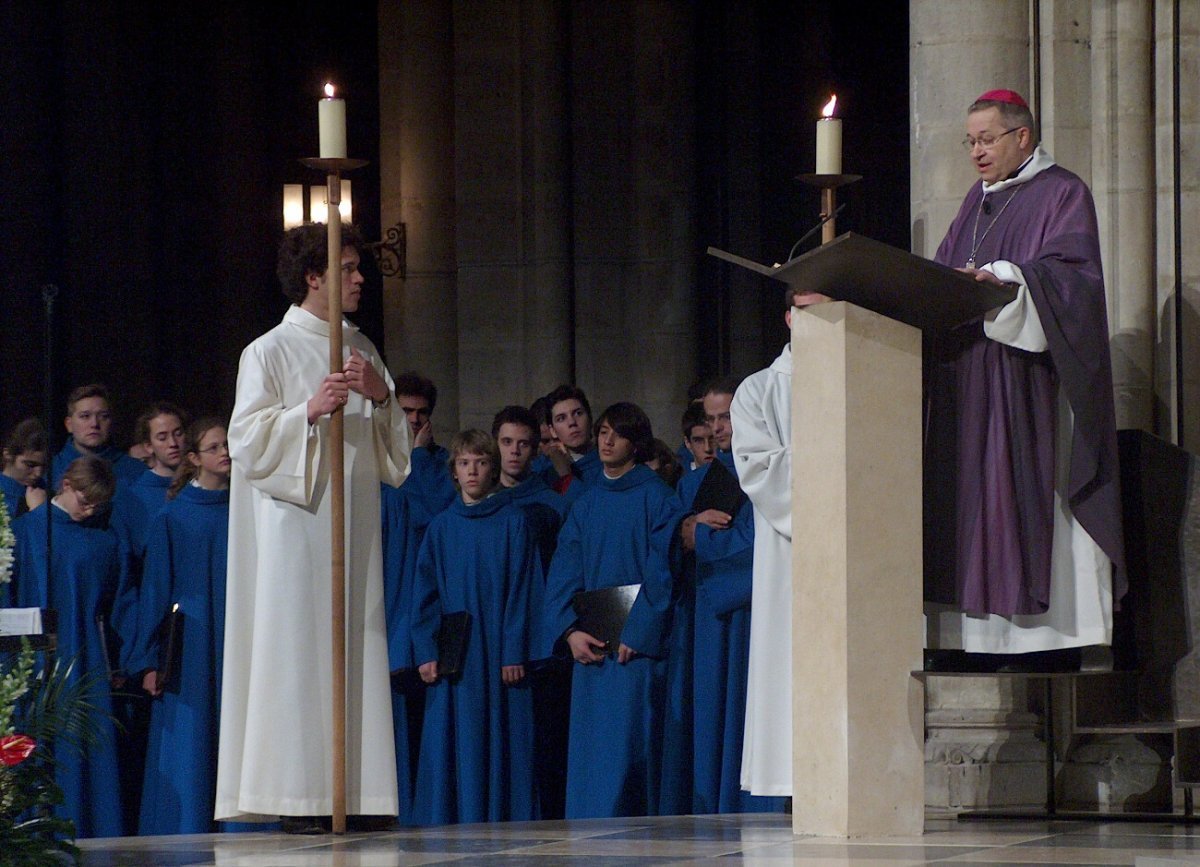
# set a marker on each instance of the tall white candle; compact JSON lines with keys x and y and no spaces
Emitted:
{"x":829,"y":141}
{"x":331,"y":123}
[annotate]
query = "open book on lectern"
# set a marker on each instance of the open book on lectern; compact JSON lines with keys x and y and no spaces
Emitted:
{"x":886,"y":280}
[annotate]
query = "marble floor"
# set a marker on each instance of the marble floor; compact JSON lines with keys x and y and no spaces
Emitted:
{"x":747,"y":839}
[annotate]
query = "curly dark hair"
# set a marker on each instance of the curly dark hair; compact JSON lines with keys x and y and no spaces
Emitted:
{"x":303,"y":251}
{"x":416,"y":385}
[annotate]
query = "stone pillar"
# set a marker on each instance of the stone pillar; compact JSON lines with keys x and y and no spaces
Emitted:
{"x":856,"y":566}
{"x":512,"y":181}
{"x":957,"y":50}
{"x":416,"y":155}
{"x":635,"y":244}
{"x":1123,"y":184}
{"x":981,"y":745}
{"x":1065,"y":113}
{"x":1188,"y":83}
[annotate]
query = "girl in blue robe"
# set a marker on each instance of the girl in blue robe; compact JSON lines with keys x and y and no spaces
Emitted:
{"x":476,"y":760}
{"x":85,"y":570}
{"x":721,"y":656}
{"x":185,"y":565}
{"x":22,"y":478}
{"x":618,"y":532}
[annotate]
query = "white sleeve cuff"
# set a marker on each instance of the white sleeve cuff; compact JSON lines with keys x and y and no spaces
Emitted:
{"x":1017,"y":323}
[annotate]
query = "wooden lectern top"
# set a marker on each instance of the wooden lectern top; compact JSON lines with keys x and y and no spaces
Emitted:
{"x":886,"y":280}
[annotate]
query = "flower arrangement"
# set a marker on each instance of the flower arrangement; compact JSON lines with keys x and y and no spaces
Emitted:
{"x":7,"y":543}
{"x":48,"y":709}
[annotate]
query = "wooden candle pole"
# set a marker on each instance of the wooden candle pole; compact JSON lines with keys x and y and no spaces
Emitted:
{"x":333,"y":167}
{"x":337,"y":485}
{"x":828,"y":213}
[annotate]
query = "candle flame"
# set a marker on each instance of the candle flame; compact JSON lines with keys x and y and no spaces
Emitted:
{"x":329,"y":90}
{"x":827,"y":111}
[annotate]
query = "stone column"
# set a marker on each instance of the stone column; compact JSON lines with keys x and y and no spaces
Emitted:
{"x":513,"y":173}
{"x":981,"y":745}
{"x":957,"y":50}
{"x":1188,"y":83}
{"x":416,"y":155}
{"x":1123,"y":184}
{"x":635,"y":244}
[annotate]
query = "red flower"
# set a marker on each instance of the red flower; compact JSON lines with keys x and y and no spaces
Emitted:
{"x":15,"y":749}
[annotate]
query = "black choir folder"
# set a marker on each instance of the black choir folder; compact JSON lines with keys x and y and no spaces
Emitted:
{"x":719,"y":490}
{"x":602,"y":613}
{"x":170,"y":646}
{"x":451,"y":641}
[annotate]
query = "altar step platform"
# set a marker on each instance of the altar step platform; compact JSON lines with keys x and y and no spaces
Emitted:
{"x":1112,"y":725}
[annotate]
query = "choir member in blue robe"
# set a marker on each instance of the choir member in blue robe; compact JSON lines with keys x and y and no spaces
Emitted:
{"x":21,"y":480}
{"x":571,"y":420}
{"x":405,"y":519}
{"x":477,"y":745}
{"x":515,"y":430}
{"x":185,"y":556}
{"x":429,"y":476}
{"x":85,"y":567}
{"x":724,"y":558}
{"x":160,"y":429}
{"x":89,"y":422}
{"x":618,"y":532}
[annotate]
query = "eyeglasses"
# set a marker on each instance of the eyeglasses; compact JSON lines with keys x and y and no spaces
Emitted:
{"x":986,"y":142}
{"x":214,"y":448}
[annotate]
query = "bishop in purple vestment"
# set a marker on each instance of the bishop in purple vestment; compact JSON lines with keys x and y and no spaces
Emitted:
{"x":1022,"y":504}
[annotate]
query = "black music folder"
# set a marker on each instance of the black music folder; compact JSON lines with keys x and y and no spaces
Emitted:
{"x":451,"y":641}
{"x":719,"y":490}
{"x":170,"y":646}
{"x":602,"y":613}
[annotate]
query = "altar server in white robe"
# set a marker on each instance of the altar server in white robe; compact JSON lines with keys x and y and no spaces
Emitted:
{"x":276,"y":720}
{"x":761,"y":413}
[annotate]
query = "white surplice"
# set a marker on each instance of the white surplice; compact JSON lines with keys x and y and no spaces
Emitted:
{"x":761,"y":414}
{"x":276,"y":704}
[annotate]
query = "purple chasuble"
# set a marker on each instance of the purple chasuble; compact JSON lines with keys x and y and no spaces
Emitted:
{"x":991,"y":420}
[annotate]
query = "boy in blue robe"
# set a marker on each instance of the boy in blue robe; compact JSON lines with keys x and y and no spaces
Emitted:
{"x":515,"y":430}
{"x":570,"y":417}
{"x":430,"y":474}
{"x":406,"y":512}
{"x":476,"y":760}
{"x":185,"y":559}
{"x":618,"y":532}
{"x":89,"y":422}
{"x":723,"y":555}
{"x":85,"y":571}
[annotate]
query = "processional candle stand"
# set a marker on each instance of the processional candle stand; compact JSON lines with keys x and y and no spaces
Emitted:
{"x":332,"y":163}
{"x":828,"y":176}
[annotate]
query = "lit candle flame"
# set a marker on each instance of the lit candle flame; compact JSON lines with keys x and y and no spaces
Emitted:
{"x":827,"y":111}
{"x":328,"y":90}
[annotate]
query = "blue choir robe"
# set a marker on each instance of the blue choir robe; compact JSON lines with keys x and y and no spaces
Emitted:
{"x":723,"y":570}
{"x":405,"y":518}
{"x":677,"y":780}
{"x":186,"y":547}
{"x":14,"y":495}
{"x":476,"y":760}
{"x":134,"y":506}
{"x":430,"y":478}
{"x":585,"y":470}
{"x":545,"y":509}
{"x":618,"y":532}
{"x":85,"y":578}
{"x":123,"y":466}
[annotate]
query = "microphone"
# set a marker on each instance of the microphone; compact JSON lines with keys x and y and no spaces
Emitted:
{"x":987,"y":205}
{"x":813,"y":230}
